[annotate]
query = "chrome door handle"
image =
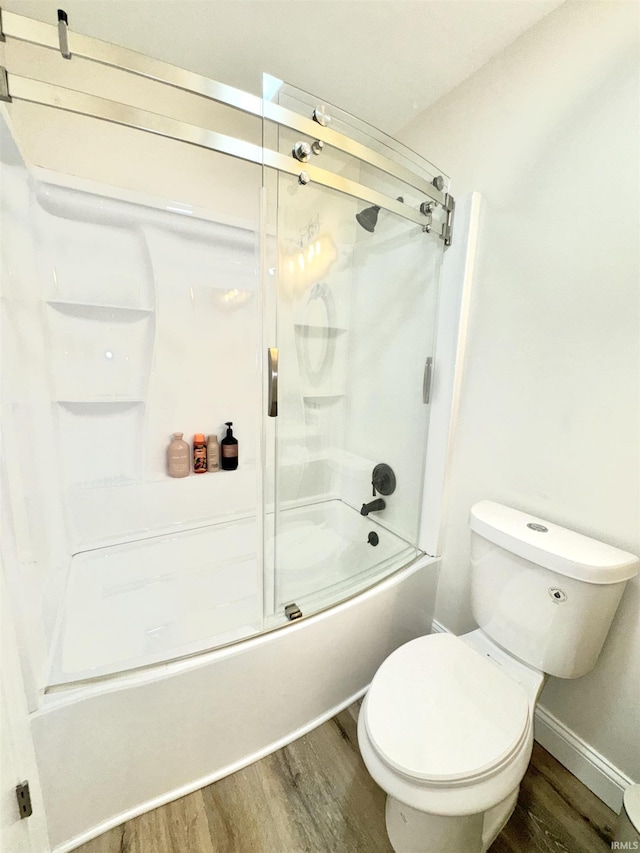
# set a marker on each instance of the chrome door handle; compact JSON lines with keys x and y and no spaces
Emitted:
{"x":426,"y":380}
{"x":272,"y":407}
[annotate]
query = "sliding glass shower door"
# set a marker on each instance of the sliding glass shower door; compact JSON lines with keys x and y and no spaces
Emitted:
{"x":351,"y":294}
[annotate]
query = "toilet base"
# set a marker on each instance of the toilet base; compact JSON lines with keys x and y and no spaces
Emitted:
{"x":413,"y":831}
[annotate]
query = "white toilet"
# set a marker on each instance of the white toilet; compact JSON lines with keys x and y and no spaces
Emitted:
{"x":628,"y":830}
{"x":446,"y":728}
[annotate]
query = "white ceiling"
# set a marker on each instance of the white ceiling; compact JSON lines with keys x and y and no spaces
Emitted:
{"x":383,"y":60}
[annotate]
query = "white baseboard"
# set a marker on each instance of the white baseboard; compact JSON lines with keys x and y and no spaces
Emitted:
{"x":589,"y":766}
{"x":354,"y":709}
{"x":599,"y":775}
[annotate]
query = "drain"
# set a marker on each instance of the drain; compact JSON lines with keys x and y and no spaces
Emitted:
{"x":373,"y":538}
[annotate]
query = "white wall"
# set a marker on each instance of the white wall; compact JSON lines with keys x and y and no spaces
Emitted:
{"x":548,"y":133}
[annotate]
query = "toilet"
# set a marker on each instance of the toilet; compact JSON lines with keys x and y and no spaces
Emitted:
{"x":446,"y":727}
{"x":627,"y":835}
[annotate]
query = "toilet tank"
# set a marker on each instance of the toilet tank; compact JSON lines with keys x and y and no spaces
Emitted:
{"x":542,"y":592}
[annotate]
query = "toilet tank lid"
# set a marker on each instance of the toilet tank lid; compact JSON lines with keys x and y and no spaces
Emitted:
{"x":555,"y":548}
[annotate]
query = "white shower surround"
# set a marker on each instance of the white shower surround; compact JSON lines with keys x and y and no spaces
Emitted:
{"x":155,"y":733}
{"x":159,"y":733}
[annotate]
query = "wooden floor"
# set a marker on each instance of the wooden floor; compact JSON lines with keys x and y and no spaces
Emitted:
{"x":315,"y":796}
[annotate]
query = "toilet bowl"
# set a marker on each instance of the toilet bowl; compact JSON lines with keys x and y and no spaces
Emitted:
{"x":446,"y":728}
{"x":627,"y":835}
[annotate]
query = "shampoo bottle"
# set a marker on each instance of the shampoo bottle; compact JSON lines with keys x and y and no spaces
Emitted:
{"x":178,"y":457}
{"x":229,"y":450}
{"x":213,"y":453}
{"x":199,"y":454}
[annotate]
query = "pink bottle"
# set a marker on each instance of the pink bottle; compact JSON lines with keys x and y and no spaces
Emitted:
{"x":178,"y":461}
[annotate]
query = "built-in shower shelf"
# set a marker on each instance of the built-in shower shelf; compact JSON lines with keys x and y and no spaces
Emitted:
{"x":323,"y":395}
{"x":114,"y":482}
{"x":96,"y":402}
{"x":114,"y":507}
{"x":156,"y":486}
{"x":310,"y":329}
{"x":94,"y":311}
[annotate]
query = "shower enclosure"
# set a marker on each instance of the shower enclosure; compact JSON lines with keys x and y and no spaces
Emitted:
{"x":177,"y":254}
{"x":149,"y":315}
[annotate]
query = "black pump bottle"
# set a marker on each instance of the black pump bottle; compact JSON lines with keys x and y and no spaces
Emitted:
{"x":229,"y":450}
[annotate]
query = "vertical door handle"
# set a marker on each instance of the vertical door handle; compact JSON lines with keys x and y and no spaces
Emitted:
{"x":272,"y":407}
{"x":426,"y":380}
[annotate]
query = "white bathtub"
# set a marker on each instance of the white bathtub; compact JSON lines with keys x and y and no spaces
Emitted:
{"x":153,"y":600}
{"x":114,"y":748}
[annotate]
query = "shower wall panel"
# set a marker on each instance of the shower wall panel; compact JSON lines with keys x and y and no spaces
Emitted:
{"x":34,"y":545}
{"x":395,"y":291}
{"x":123,"y":321}
{"x":152,"y":323}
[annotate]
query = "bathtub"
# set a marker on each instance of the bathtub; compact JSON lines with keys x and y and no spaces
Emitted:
{"x":169,"y":596}
{"x":117,"y":746}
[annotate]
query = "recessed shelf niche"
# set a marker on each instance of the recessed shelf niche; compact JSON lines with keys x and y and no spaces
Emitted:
{"x":99,"y":352}
{"x":101,"y":442}
{"x":317,"y":330}
{"x":102,"y":312}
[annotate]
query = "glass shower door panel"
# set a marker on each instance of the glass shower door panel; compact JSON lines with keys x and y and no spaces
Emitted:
{"x":353,"y":319}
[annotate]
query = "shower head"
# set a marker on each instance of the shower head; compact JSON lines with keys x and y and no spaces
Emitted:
{"x":368,"y":217}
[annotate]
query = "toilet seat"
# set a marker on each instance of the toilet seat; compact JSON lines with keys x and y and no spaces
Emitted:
{"x":438,"y":712}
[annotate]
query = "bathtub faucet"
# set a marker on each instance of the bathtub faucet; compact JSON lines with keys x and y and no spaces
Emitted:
{"x":374,"y":506}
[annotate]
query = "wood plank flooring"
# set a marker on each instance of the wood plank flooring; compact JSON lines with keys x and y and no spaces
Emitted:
{"x":315,"y":796}
{"x":556,"y":812}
